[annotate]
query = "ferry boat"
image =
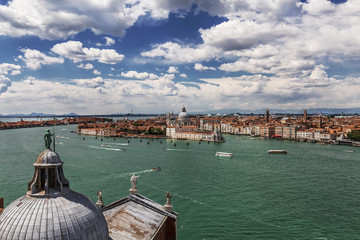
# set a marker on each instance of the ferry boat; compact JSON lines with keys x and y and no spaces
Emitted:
{"x":223,"y":154}
{"x":277,"y":151}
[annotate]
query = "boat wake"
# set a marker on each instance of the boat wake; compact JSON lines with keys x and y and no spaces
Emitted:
{"x":107,"y":148}
{"x":121,"y":144}
{"x":180,"y":150}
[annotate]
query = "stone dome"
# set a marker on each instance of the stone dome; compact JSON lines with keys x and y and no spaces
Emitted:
{"x":50,"y":209}
{"x":70,"y":216}
{"x":48,"y":157}
{"x":183,"y":115}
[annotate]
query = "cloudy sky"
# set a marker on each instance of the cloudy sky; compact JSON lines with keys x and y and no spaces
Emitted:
{"x":114,"y":56}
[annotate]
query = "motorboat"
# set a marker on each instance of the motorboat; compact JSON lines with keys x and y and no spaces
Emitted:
{"x":277,"y":151}
{"x":223,"y":154}
{"x":156,"y":169}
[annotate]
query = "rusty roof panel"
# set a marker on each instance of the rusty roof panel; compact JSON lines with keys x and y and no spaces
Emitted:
{"x":133,"y":221}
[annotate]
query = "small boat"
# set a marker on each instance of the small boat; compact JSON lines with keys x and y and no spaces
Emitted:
{"x":348,"y":150}
{"x":156,"y":169}
{"x":104,"y":145}
{"x":277,"y":151}
{"x":223,"y":154}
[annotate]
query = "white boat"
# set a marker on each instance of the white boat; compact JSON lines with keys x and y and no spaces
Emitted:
{"x":277,"y":151}
{"x":223,"y":154}
{"x":348,"y":150}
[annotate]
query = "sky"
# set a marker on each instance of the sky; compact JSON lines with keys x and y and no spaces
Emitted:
{"x":141,"y":56}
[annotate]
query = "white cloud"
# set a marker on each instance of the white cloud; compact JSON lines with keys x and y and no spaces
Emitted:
{"x":200,"y":67}
{"x":54,"y":20}
{"x":148,"y":95}
{"x":5,"y":68}
{"x":173,"y":69}
{"x":29,"y":80}
{"x":5,"y":83}
{"x":15,"y":72}
{"x":137,"y":75}
{"x":183,"y":75}
{"x":96,"y":72}
{"x":176,"y":53}
{"x":86,"y":66}
{"x":75,"y":51}
{"x":34,"y":59}
{"x":91,"y":83}
{"x":109,"y":41}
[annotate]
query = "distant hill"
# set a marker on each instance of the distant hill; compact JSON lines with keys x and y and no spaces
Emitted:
{"x":34,"y":114}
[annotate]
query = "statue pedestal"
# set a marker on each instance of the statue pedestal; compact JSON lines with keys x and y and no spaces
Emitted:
{"x":133,"y":191}
{"x":168,"y":207}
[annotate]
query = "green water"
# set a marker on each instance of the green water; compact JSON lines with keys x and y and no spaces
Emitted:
{"x":312,"y":192}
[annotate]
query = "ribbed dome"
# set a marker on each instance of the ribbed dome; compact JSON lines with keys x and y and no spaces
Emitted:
{"x":71,"y":216}
{"x":183,"y":115}
{"x":48,"y":157}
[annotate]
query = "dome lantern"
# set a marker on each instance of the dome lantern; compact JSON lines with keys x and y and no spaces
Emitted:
{"x":48,"y":179}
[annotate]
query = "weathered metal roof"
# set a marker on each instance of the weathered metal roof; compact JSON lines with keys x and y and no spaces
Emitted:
{"x":70,"y":216}
{"x":135,"y":217}
{"x":48,"y":157}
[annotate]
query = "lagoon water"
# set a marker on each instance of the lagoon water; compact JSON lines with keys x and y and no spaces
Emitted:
{"x":312,"y":192}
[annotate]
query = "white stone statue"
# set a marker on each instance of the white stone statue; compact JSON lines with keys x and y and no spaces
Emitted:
{"x":99,"y":202}
{"x":168,"y":205}
{"x":133,"y":181}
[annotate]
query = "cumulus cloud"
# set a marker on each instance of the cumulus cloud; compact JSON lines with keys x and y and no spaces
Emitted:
{"x":96,"y":72}
{"x":5,"y":83}
{"x":183,"y":75}
{"x":6,"y":68}
{"x":200,"y":67}
{"x":176,"y":53}
{"x":149,"y":95}
{"x":75,"y":51}
{"x":29,"y":80}
{"x":86,"y":66}
{"x":91,"y":83}
{"x":54,"y":20}
{"x":109,"y":41}
{"x":139,"y":75}
{"x":173,"y":69}
{"x":34,"y":59}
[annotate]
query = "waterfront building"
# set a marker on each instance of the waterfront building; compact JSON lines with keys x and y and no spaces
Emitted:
{"x":186,"y":129}
{"x":267,"y":115}
{"x":267,"y":131}
{"x":279,"y":131}
{"x":289,"y":132}
{"x":305,"y":134}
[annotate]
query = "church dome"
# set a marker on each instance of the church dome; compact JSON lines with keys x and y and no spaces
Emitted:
{"x":50,"y":209}
{"x":48,"y":157}
{"x":183,"y":115}
{"x":70,"y":216}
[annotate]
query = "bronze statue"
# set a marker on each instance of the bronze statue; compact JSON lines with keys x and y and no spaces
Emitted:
{"x":47,"y":139}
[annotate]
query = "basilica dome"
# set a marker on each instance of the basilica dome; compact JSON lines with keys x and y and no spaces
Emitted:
{"x":50,"y":209}
{"x":183,"y":115}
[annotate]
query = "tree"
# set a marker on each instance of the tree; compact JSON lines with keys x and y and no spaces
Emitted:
{"x":354,"y":135}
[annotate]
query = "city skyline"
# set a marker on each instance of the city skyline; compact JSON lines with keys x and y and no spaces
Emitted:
{"x":117,"y":56}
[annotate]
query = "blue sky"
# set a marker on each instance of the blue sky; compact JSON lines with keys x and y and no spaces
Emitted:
{"x":114,"y":56}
